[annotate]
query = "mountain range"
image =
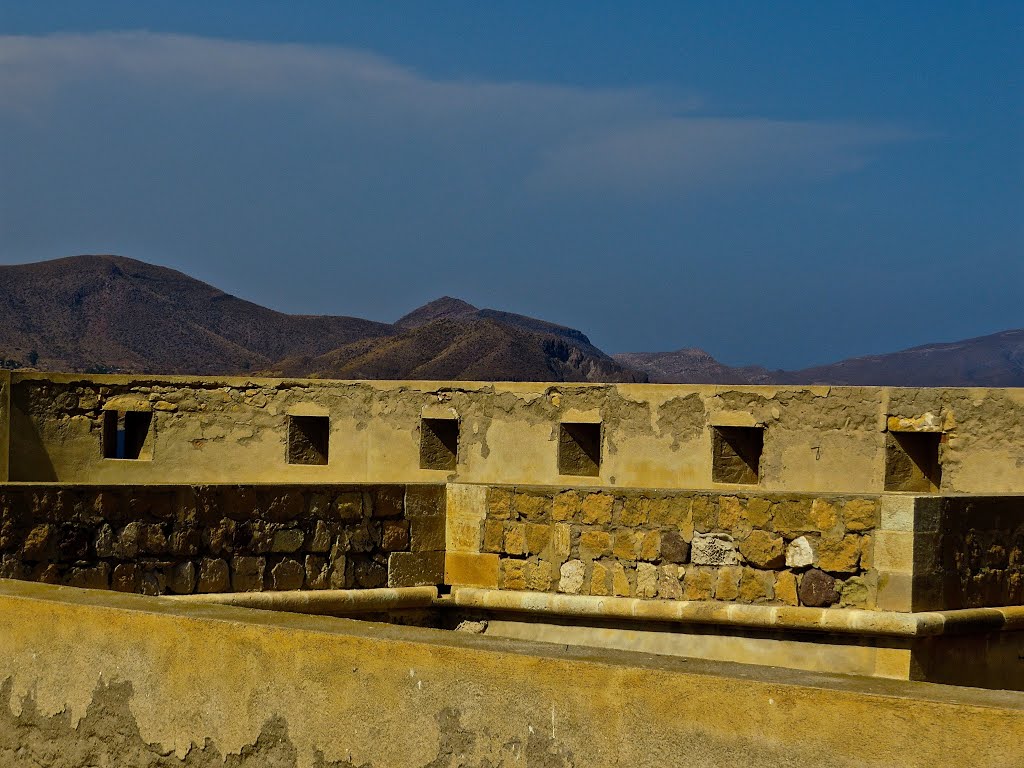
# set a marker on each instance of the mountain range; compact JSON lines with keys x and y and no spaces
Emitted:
{"x":115,"y":314}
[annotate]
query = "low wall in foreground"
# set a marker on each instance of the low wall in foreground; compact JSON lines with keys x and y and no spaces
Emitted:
{"x":91,"y":678}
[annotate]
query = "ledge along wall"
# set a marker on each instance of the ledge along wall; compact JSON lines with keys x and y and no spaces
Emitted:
{"x":91,"y":678}
{"x":233,"y":430}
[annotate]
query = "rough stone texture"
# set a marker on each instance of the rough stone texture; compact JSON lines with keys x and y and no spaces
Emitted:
{"x":763,"y":550}
{"x":817,"y":589}
{"x":800,"y":553}
{"x":839,"y":555}
{"x":572,"y":575}
{"x":674,"y":547}
{"x":713,"y":549}
{"x":414,"y":569}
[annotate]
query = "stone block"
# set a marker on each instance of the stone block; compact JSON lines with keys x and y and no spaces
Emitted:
{"x":669,"y":586}
{"x":415,"y":569}
{"x":839,"y":555}
{"x":370,"y":574}
{"x":635,"y":511}
{"x":347,"y":506}
{"x":394,"y":535}
{"x":756,"y":586}
{"x":730,"y":513}
{"x":561,"y":542}
{"x":462,"y":534}
{"x":594,"y":544}
{"x":181,"y":579}
{"x":668,"y":511}
{"x":247,"y":573}
{"x":96,"y":577}
{"x":860,"y":514}
{"x":214,"y":575}
{"x":288,"y":540}
{"x":802,"y":552}
{"x":499,"y":503}
{"x":713,"y":549}
{"x":104,"y":541}
{"x":650,"y":546}
{"x":620,"y":581}
{"x":855,"y":593}
{"x":763,"y":550}
{"x":493,"y":535}
{"x":792,"y":518}
{"x":674,"y":548}
{"x":625,"y":544}
{"x":471,"y":569}
{"x":727,"y":586}
{"x":596,"y":509}
{"x":704,"y":512}
{"x":785,"y":588}
{"x":646,"y":580}
{"x":600,"y":577}
{"x":515,"y":539}
{"x":566,"y":506}
{"x":411,"y":501}
{"x":824,"y":515}
{"x":513,"y":574}
{"x":571,"y":578}
{"x":538,"y":576}
{"x":287,"y":574}
{"x":317,"y":573}
{"x":817,"y":589}
{"x":894,"y":551}
{"x":534,"y":507}
{"x":185,"y":541}
{"x":321,"y":539}
{"x":427,"y":534}
{"x":538,"y":538}
{"x":758,"y":512}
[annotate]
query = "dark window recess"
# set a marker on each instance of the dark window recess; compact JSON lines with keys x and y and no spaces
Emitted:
{"x":579,"y":449}
{"x":125,"y":433}
{"x":912,"y":461}
{"x":308,"y":439}
{"x":439,"y":443}
{"x":736,"y":454}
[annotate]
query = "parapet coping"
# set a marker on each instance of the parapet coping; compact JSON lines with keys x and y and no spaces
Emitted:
{"x":773,"y":617}
{"x":325,"y":602}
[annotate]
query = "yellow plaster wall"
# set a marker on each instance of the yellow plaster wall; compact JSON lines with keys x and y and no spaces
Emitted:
{"x":207,"y":681}
{"x":655,"y":436}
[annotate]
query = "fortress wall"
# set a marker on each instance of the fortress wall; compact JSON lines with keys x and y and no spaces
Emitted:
{"x":184,"y":539}
{"x":89,"y":678}
{"x":674,"y":545}
{"x":232,"y":430}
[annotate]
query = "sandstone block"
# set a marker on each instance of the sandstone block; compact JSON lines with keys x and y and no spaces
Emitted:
{"x":247,"y":573}
{"x":792,"y":518}
{"x":409,"y":501}
{"x":493,"y":534}
{"x":347,"y":506}
{"x":730,"y":513}
{"x":625,"y":545}
{"x":698,"y":584}
{"x":462,"y":533}
{"x":713,"y":549}
{"x":785,"y":588}
{"x":415,"y":569}
{"x":704,"y":511}
{"x":394,"y":535}
{"x":538,"y":537}
{"x":600,"y":576}
{"x":635,"y":511}
{"x":499,"y":503}
{"x":674,"y":547}
{"x":427,"y":534}
{"x":839,"y":555}
{"x":317,"y":573}
{"x":515,"y":539}
{"x":759,"y":512}
{"x":287,"y":540}
{"x":801,"y":553}
{"x":756,"y":586}
{"x":532,"y":506}
{"x":513,"y":574}
{"x":860,"y":514}
{"x":571,"y":578}
{"x":855,"y":593}
{"x":620,"y":581}
{"x":669,"y":586}
{"x":650,"y":546}
{"x":128,"y":541}
{"x":321,"y":539}
{"x":214,"y":575}
{"x":646,"y":580}
{"x":369,"y":573}
{"x":669,"y":511}
{"x":104,"y":542}
{"x":817,"y":589}
{"x":538,"y":576}
{"x":561,"y":542}
{"x":566,"y":506}
{"x":594,"y":544}
{"x":727,"y":586}
{"x":185,"y":541}
{"x":472,"y":569}
{"x":287,"y":574}
{"x":596,"y":509}
{"x":96,"y":577}
{"x":763,"y":549}
{"x":824,"y":515}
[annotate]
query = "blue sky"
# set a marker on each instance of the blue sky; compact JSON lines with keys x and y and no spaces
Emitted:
{"x":778,"y":183}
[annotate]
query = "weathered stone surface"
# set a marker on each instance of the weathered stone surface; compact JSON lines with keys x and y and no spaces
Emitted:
{"x":596,"y":509}
{"x":287,"y":540}
{"x":533,"y":507}
{"x":704,"y":511}
{"x":625,"y":544}
{"x":839,"y":555}
{"x":860,"y":514}
{"x":763,"y":549}
{"x":646,"y":580}
{"x":96,"y":577}
{"x":472,"y":569}
{"x":287,"y":574}
{"x":538,"y":537}
{"x":539,"y":576}
{"x":620,"y":580}
{"x":594,"y":544}
{"x":713,"y":549}
{"x":181,"y":580}
{"x":104,"y":542}
{"x":650,"y":546}
{"x":513,"y":574}
{"x":321,"y":539}
{"x":499,"y":503}
{"x":348,"y":506}
{"x":785,"y":588}
{"x":727,"y":586}
{"x":824,"y":514}
{"x":247,"y":573}
{"x":427,"y":534}
{"x":758,"y":512}
{"x":817,"y":589}
{"x":635,"y":511}
{"x":571,"y":578}
{"x":415,"y":569}
{"x":793,"y":518}
{"x":669,"y":586}
{"x":515,"y":539}
{"x":756,"y":586}
{"x":801,"y":553}
{"x":674,"y":547}
{"x":855,"y":593}
{"x":370,"y":573}
{"x":561,"y":542}
{"x":214,"y":575}
{"x":394,"y":535}
{"x":600,"y":576}
{"x":317,"y":574}
{"x":699,"y":583}
{"x":493,"y":534}
{"x":565,"y":507}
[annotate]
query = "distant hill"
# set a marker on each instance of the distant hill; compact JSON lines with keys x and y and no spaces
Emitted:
{"x":987,"y":361}
{"x":113,"y":314}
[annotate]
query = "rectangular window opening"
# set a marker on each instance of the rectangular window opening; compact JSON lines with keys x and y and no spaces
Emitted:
{"x":125,"y":434}
{"x":308,"y":439}
{"x":736,"y":454}
{"x":439,"y":443}
{"x":579,"y":449}
{"x":912,"y":461}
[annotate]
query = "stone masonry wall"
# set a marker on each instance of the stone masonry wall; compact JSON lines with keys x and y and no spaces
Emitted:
{"x":765,"y":548}
{"x":186,"y":539}
{"x":982,"y":551}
